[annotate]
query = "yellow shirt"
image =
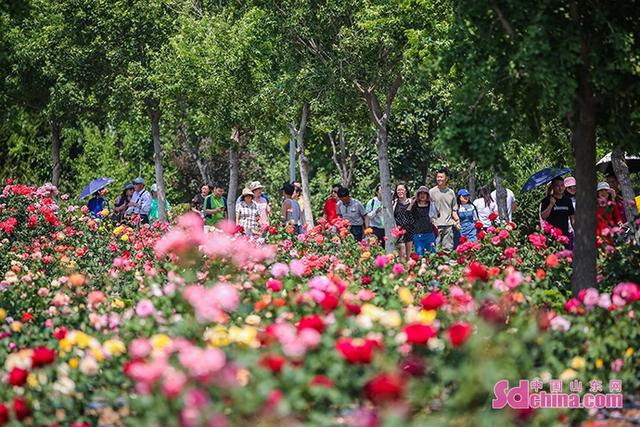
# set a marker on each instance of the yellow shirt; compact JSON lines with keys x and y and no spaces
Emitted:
{"x":638,"y":203}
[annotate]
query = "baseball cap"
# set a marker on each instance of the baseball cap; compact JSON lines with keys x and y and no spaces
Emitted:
{"x":138,"y":180}
{"x":463,"y":192}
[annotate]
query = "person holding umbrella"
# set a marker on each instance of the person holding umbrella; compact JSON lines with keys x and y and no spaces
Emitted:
{"x":98,"y":202}
{"x":557,"y":208}
{"x":97,"y":188}
{"x":140,"y":203}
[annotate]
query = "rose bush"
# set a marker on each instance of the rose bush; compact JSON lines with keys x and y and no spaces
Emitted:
{"x":170,"y":325}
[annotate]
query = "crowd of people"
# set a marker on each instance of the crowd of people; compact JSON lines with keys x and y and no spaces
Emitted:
{"x":429,"y":220}
{"x":134,"y":203}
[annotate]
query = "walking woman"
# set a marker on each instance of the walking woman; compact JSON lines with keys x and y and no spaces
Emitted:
{"x":485,"y":206}
{"x":248,"y":214}
{"x":422,"y":212}
{"x":404,"y":220}
{"x":468,"y":215}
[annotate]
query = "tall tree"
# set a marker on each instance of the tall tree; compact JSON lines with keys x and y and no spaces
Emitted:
{"x":58,"y":68}
{"x":523,"y":64}
{"x":137,"y":43}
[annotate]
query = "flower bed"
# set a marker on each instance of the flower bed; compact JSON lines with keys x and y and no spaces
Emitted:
{"x":156,"y":326}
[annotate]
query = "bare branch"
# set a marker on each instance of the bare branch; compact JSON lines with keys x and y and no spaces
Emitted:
{"x":503,"y":20}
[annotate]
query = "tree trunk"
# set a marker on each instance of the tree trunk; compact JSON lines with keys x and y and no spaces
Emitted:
{"x":154,"y":115}
{"x":292,"y":159}
{"x":303,"y":163}
{"x":380,"y":117}
{"x":345,"y":164}
{"x":382,"y":146}
{"x":472,"y":180}
{"x":621,"y":170}
{"x":583,"y":140}
{"x":56,"y":166}
{"x":501,"y":195}
{"x":234,"y":172}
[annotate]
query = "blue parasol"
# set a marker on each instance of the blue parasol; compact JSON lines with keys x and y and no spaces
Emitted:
{"x":95,"y":185}
{"x":544,"y":176}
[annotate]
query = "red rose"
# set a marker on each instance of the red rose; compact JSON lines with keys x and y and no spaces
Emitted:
{"x":419,"y":333}
{"x":312,"y":321}
{"x":433,"y":301}
{"x":477,"y":271}
{"x":329,"y":303}
{"x":42,"y":356}
{"x":353,"y":309}
{"x":551,"y":261}
{"x":478,"y":225}
{"x":458,"y":333}
{"x":366,"y":280}
{"x":493,"y":216}
{"x":413,"y":366}
{"x":480,"y":235}
{"x":272,"y":362}
{"x":4,"y":414}
{"x":27,"y":317}
{"x":322,"y":381}
{"x":491,"y":312}
{"x":21,"y":408}
{"x":18,"y":377}
{"x":60,"y":333}
{"x":384,"y":388}
{"x":357,"y":350}
{"x":79,"y":424}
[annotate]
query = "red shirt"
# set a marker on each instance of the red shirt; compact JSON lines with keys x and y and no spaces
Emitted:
{"x":607,"y":216}
{"x":330,"y":209}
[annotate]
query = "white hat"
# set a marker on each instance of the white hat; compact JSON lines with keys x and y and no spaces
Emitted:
{"x":255,"y":185}
{"x":605,"y":186}
{"x":154,"y":187}
{"x":247,"y":192}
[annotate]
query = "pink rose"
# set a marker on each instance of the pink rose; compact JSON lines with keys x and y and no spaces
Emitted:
{"x":145,"y":308}
{"x":279,"y":270}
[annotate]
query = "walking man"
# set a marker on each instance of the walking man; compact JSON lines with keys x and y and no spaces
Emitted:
{"x":446,"y":205}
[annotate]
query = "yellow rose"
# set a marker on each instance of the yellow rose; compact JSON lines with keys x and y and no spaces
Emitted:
{"x":73,"y":363}
{"x":97,"y":354}
{"x":568,"y":375}
{"x":160,"y":341}
{"x":599,"y":363}
{"x":405,"y":296}
{"x":629,"y":352}
{"x":117,"y":303}
{"x":218,"y":336}
{"x":32,"y":380}
{"x":65,"y":345}
{"x":115,"y":347}
{"x":578,"y":362}
{"x":16,"y":326}
{"x":104,"y":212}
{"x":3,"y":314}
{"x":427,"y":316}
{"x":125,"y":238}
{"x":246,"y":335}
{"x":118,"y":229}
{"x":82,"y":340}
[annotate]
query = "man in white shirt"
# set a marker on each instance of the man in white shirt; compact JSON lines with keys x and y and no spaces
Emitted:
{"x":511,"y":201}
{"x":140,"y":203}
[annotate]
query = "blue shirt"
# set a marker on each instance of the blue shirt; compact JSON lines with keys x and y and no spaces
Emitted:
{"x":96,"y":205}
